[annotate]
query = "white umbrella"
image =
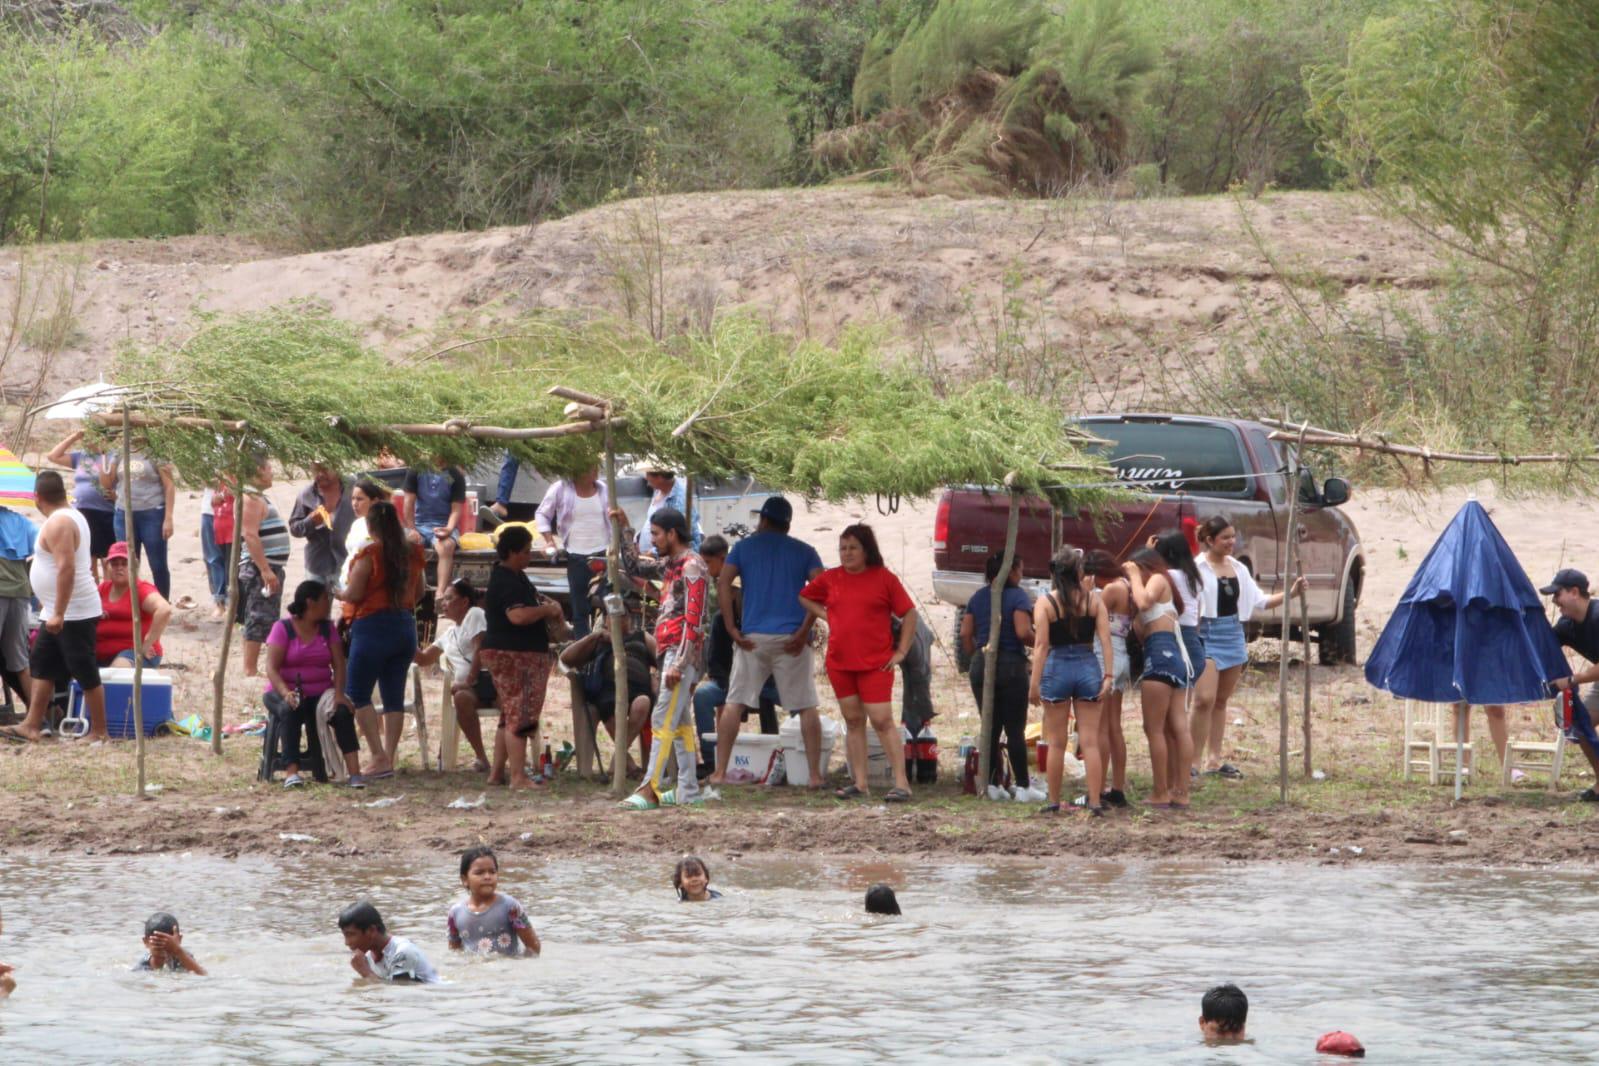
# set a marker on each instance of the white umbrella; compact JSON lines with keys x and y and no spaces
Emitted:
{"x":84,"y":401}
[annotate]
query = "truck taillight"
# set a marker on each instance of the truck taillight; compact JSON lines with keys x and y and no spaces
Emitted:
{"x":941,"y":524}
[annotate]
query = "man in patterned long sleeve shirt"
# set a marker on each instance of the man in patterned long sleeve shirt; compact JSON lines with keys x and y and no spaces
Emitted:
{"x":680,"y":643}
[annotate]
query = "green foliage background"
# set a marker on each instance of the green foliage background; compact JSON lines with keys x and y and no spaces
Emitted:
{"x":326,"y":122}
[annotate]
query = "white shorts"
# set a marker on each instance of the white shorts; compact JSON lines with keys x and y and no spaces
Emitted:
{"x":795,"y":674}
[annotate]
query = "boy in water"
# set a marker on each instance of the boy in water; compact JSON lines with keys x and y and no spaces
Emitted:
{"x":8,"y":984}
{"x":880,"y":899}
{"x":1222,"y":1014}
{"x":377,"y":955}
{"x":163,"y":946}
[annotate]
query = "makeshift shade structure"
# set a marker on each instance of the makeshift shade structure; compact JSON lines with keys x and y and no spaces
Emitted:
{"x":16,"y":481}
{"x":1469,"y":628}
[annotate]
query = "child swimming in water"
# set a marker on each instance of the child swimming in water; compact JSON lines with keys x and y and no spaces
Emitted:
{"x":379,"y":956}
{"x":880,"y":899}
{"x":163,"y":946}
{"x":487,"y":921}
{"x":1223,"y":1013}
{"x":692,"y":879}
{"x":8,"y":984}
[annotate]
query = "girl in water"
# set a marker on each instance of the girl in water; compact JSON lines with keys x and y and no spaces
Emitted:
{"x":487,"y":921}
{"x":692,"y":879}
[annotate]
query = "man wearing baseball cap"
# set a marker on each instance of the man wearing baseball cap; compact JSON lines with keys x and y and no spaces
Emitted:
{"x":1578,"y":629}
{"x":772,"y":636}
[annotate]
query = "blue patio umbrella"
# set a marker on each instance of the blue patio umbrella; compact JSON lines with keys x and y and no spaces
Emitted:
{"x":1470,"y":628}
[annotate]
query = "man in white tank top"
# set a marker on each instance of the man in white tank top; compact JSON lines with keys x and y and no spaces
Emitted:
{"x":64,"y":583}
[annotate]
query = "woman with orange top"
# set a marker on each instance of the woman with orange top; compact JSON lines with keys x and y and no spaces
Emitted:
{"x":383,"y":588}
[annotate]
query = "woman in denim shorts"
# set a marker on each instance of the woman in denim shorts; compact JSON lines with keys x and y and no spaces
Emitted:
{"x":1117,"y":596}
{"x":1167,"y":671}
{"x":1067,"y":623}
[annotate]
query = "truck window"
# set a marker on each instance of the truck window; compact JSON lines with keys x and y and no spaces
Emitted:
{"x":1173,"y":456}
{"x":1271,"y":460}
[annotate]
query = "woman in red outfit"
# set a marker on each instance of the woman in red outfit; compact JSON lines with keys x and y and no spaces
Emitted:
{"x":113,"y":642}
{"x":859,"y":600}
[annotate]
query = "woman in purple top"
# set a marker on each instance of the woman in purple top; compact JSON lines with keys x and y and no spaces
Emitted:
{"x":305,"y":665}
{"x":88,"y":497}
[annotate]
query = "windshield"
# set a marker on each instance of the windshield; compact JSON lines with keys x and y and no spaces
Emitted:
{"x":1175,"y":456}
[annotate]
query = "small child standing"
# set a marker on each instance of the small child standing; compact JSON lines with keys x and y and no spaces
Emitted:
{"x":488,"y":922}
{"x":377,"y":955}
{"x":692,"y":879}
{"x":163,"y":946}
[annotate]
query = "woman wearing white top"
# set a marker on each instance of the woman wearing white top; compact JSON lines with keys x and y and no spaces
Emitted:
{"x":470,"y":686}
{"x":1231,"y":599}
{"x":362,"y":496}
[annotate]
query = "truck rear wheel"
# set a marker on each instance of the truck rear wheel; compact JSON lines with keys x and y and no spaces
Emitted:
{"x":1337,"y":640}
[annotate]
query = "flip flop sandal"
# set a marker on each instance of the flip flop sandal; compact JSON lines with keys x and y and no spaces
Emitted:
{"x":380,"y":776}
{"x":896,"y":795}
{"x":1588,"y":795}
{"x":669,"y":798}
{"x":1231,"y":772}
{"x":637,"y":802}
{"x":185,"y":603}
{"x":10,"y":733}
{"x":1053,"y":808}
{"x":849,"y":792}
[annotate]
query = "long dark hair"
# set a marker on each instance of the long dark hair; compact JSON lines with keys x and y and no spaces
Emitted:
{"x":306,"y":593}
{"x":1066,"y":572}
{"x":868,"y":541}
{"x":1173,"y":547}
{"x":1151,"y":561}
{"x":383,"y":523}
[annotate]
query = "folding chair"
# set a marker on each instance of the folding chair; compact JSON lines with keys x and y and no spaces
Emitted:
{"x":1538,"y":756}
{"x":1430,"y":743}
{"x":449,"y":747}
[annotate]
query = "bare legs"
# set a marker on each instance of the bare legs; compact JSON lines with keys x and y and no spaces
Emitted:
{"x":1113,"y":744}
{"x":856,"y":716}
{"x":465,"y":702}
{"x":1211,"y":693}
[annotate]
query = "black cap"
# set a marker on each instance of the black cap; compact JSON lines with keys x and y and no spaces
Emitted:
{"x":1567,"y":579}
{"x":778,"y":510}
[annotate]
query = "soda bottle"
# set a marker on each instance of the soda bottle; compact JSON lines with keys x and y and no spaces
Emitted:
{"x":547,"y":763}
{"x":969,"y":776}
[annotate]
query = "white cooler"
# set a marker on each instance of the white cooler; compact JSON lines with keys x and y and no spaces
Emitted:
{"x":795,"y":766}
{"x":752,"y":755}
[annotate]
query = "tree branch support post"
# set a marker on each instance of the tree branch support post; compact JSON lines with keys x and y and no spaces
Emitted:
{"x":996,"y":593}
{"x":613,"y":619}
{"x":219,"y":677}
{"x":1304,"y":630}
{"x":1290,"y":561}
{"x":133,"y":599}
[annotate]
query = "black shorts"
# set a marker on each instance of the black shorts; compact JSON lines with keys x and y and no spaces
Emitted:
{"x":102,"y":532}
{"x":605,"y":706}
{"x":67,"y":655}
{"x":484,"y":690}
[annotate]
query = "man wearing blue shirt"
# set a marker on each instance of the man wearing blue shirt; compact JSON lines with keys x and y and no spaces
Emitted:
{"x":772,"y":639}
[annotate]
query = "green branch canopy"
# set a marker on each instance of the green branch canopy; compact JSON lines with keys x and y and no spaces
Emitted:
{"x":829,"y":422}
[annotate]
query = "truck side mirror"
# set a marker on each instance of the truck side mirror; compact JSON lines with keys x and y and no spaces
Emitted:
{"x":1334,"y":491}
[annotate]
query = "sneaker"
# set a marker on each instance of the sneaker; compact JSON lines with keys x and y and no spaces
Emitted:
{"x":357,"y":781}
{"x":996,"y":793}
{"x":293,"y":781}
{"x":1114,"y":797}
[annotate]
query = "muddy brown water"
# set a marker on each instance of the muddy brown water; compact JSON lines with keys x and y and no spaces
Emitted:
{"x":1012,"y":962}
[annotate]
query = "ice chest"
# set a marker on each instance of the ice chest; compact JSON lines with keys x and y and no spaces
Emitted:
{"x":156,"y":705}
{"x":879,"y":771}
{"x":795,"y":768}
{"x":752,"y":755}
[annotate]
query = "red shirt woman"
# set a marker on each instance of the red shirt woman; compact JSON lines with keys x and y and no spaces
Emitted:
{"x":859,"y":600}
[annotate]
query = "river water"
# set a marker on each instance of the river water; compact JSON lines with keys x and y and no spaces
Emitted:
{"x":1020,"y":963}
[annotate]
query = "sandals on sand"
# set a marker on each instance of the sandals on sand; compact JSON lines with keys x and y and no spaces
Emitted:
{"x":849,"y":792}
{"x":11,"y":733}
{"x":637,"y":802}
{"x":897,"y":795}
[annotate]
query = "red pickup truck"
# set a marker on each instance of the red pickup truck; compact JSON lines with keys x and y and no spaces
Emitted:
{"x":1184,"y":468}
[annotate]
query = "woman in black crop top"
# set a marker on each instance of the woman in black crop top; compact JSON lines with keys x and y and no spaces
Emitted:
{"x":1066,"y":673}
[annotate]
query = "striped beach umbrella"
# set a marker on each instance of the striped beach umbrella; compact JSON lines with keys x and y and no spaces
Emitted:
{"x":16,"y":481}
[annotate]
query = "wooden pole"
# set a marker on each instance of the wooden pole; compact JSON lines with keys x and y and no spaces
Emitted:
{"x":220,"y":676}
{"x":613,"y":619}
{"x":1304,"y":630}
{"x":996,"y":593}
{"x":1290,"y":558}
{"x":133,"y":597}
